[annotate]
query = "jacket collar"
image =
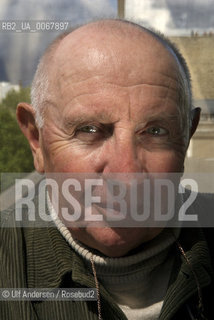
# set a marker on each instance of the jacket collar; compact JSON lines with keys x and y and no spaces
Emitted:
{"x":183,"y":284}
{"x":49,"y":258}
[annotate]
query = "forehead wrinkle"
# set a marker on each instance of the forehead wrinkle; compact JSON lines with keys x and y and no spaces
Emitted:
{"x":166,"y":98}
{"x":110,"y":83}
{"x":98,"y":78}
{"x":95,"y":82}
{"x":99,"y":88}
{"x":145,"y":85}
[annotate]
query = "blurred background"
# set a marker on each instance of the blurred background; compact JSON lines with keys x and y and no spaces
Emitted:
{"x":188,"y":23}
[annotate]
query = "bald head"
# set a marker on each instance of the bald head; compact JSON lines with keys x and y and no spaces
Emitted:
{"x":127,"y":47}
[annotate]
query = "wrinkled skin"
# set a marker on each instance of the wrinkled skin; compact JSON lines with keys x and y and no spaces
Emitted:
{"x":114,"y":109}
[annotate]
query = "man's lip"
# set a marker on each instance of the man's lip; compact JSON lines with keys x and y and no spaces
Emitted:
{"x":105,"y":207}
{"x":110,"y":214}
{"x":108,"y":206}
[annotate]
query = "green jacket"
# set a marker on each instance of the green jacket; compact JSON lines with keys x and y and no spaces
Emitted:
{"x":41,"y":258}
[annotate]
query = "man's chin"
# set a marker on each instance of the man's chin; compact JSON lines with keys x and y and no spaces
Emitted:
{"x":114,"y":242}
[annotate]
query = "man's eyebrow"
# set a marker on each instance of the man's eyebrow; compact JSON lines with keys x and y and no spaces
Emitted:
{"x":163,"y":117}
{"x":76,"y":120}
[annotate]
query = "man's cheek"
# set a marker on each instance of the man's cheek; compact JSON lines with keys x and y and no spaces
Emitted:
{"x":169,"y":161}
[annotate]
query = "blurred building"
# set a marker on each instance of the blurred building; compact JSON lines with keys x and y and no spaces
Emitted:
{"x":198,"y":51}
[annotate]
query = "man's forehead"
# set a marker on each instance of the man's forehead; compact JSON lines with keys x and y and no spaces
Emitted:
{"x":90,"y":51}
{"x":120,"y":58}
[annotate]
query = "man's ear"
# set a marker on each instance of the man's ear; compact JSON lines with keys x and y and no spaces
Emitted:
{"x":26,"y":119}
{"x":195,"y":117}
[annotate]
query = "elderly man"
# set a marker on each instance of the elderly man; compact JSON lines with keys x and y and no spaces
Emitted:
{"x":110,"y":97}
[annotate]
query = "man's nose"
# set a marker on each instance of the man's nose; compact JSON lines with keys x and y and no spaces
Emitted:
{"x":124,"y":156}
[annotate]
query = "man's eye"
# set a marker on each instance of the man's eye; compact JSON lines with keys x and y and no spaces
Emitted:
{"x":88,"y":129}
{"x":91,"y":133}
{"x":157,"y":131}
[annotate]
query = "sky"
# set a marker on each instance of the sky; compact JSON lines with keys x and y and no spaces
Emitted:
{"x":20,"y":52}
{"x":173,"y":17}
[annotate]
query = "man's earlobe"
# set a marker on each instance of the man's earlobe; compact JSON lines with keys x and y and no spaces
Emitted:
{"x":195,"y":115}
{"x":26,"y":119}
